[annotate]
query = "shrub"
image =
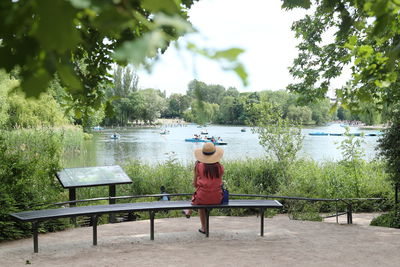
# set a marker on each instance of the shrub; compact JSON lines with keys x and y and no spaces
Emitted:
{"x":28,"y":162}
{"x":391,"y":219}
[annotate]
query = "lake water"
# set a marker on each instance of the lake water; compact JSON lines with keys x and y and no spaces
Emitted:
{"x":149,"y":146}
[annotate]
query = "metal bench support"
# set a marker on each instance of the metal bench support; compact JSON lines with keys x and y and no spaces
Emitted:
{"x":94,"y":219}
{"x":152,"y":213}
{"x":262,"y":221}
{"x":35,"y":226}
{"x":349,"y":214}
{"x":112,"y":193}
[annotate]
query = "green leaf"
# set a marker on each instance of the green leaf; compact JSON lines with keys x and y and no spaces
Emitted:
{"x":68,"y":77}
{"x":179,"y":24}
{"x":229,"y":54}
{"x":381,"y":23}
{"x":111,"y":21}
{"x":36,"y":83}
{"x":81,"y":4}
{"x":241,"y":72}
{"x":167,"y":6}
{"x":137,"y":51}
{"x":56,"y":29}
{"x":290,"y":4}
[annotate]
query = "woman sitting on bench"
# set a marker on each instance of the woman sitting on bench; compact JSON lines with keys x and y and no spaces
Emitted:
{"x":207,"y":180}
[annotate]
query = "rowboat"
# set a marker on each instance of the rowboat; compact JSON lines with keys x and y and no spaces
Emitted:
{"x":319,"y":133}
{"x":199,"y":140}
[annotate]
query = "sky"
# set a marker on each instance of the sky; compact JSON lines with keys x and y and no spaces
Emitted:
{"x":260,"y":27}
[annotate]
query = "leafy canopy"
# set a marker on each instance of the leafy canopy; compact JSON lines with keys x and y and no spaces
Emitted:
{"x":366,"y":39}
{"x":81,"y":39}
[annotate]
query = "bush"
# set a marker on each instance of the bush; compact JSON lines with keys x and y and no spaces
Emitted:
{"x":391,"y":219}
{"x":29,"y":160}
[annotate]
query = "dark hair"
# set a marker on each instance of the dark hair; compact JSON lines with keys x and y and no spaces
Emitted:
{"x":211,"y":170}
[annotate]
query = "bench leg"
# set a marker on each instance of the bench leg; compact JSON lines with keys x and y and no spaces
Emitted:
{"x":152,"y":213}
{"x":35,"y":226}
{"x":94,"y":223}
{"x":262,"y":221}
{"x":207,"y":222}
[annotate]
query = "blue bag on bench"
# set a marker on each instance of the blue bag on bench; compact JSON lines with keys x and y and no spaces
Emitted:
{"x":225,"y":196}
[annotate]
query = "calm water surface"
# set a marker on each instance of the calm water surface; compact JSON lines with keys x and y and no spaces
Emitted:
{"x":149,"y":146}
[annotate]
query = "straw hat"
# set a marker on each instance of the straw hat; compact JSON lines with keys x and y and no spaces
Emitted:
{"x":209,"y":153}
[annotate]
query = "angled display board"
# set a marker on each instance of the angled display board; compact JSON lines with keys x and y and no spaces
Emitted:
{"x":93,"y":176}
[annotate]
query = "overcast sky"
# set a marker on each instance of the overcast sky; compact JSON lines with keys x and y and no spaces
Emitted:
{"x":260,"y":27}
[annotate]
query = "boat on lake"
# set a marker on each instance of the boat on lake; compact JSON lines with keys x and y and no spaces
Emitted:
{"x":165,"y":131}
{"x":97,"y":128}
{"x":243,"y":130}
{"x":206,"y":140}
{"x":319,"y":133}
{"x":115,"y":136}
{"x":335,"y":134}
{"x":342,"y":134}
{"x":196,"y":140}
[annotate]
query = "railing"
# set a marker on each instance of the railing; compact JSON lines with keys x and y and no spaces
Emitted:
{"x":347,"y":201}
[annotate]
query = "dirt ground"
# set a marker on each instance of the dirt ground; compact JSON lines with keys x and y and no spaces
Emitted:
{"x":233,"y":241}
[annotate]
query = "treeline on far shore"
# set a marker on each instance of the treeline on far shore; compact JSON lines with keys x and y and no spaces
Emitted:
{"x":210,"y":103}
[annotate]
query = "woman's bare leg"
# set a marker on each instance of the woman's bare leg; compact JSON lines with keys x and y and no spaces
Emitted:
{"x":202,"y":213}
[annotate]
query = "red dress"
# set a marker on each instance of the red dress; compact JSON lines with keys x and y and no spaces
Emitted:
{"x":208,"y":190}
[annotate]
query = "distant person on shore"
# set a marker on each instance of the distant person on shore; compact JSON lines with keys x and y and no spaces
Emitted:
{"x":207,"y":180}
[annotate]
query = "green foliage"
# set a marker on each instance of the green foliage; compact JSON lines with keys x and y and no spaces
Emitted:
{"x":177,"y":105}
{"x":279,"y":136}
{"x":202,"y":112}
{"x":123,"y":97}
{"x":154,"y":104}
{"x":391,"y":219}
{"x":17,"y":111}
{"x":303,"y":210}
{"x":33,"y":182}
{"x":389,"y":149}
{"x":6,"y":84}
{"x":336,"y":180}
{"x":365,"y":41}
{"x":31,"y":113}
{"x":253,"y":176}
{"x":300,"y":114}
{"x":148,"y":179}
{"x":29,"y":160}
{"x":351,"y":147}
{"x":91,"y":37}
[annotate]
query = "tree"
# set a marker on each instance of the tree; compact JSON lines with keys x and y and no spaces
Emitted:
{"x":279,"y":136}
{"x":6,"y":83}
{"x":201,"y":112}
{"x":321,"y":111}
{"x":153,"y":105}
{"x":177,"y":105}
{"x":125,"y":81}
{"x":80,"y":40}
{"x":389,"y":146}
{"x":366,"y":40}
{"x":122,"y":95}
{"x":302,"y":115}
{"x":226,"y":112}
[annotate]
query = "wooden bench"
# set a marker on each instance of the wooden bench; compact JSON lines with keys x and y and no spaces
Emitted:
{"x":94,"y":212}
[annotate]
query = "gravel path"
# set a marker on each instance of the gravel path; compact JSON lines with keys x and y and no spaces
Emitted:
{"x":233,"y":241}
